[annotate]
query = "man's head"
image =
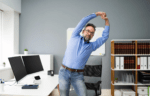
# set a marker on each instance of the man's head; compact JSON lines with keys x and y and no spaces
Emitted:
{"x":89,"y":31}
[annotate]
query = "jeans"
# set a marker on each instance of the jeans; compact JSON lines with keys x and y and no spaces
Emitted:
{"x":76,"y":79}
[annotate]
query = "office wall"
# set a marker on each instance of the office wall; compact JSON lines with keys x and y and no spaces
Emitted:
{"x":43,"y":25}
{"x":14,"y":4}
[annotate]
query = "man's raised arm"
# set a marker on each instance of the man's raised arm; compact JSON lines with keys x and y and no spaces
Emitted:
{"x":82,"y":23}
{"x":105,"y":34}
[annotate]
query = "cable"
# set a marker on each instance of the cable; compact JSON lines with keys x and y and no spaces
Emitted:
{"x":11,"y":84}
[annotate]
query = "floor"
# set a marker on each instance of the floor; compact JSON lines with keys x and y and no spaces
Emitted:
{"x":105,"y":92}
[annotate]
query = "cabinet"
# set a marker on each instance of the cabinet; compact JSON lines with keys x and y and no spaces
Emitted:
{"x":131,"y":48}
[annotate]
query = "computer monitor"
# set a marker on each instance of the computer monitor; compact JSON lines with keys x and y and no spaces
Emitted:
{"x":32,"y":64}
{"x":17,"y":67}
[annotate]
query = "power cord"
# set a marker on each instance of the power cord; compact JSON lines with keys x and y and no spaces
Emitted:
{"x":11,"y":84}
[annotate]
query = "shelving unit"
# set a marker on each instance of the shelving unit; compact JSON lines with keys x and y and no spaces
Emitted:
{"x":136,"y":83}
{"x":130,"y":69}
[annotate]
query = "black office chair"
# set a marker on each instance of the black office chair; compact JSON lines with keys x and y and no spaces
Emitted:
{"x":93,"y":71}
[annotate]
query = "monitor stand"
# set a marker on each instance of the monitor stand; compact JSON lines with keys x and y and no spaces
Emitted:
{"x":25,"y":81}
{"x":30,"y":79}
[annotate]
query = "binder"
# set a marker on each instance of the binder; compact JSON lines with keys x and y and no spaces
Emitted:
{"x":145,"y":63}
{"x":148,"y":62}
{"x":121,"y":62}
{"x":142,"y":61}
{"x":138,"y":67}
{"x":117,"y":62}
{"x":138,"y":60}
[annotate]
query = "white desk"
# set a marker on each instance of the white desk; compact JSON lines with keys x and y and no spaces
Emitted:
{"x":48,"y":83}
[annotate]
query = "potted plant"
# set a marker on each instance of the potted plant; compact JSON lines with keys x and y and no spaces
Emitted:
{"x":25,"y":51}
{"x":4,"y":64}
{"x":116,"y":80}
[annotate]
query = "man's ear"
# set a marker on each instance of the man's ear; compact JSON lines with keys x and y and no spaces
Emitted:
{"x":82,"y":32}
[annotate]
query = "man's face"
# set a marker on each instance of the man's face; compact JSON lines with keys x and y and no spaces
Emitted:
{"x":88,"y":33}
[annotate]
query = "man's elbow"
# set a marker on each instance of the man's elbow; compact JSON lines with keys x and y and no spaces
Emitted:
{"x":106,"y":36}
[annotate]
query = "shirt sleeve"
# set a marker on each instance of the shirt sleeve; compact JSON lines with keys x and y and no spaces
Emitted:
{"x":102,"y":39}
{"x":82,"y":23}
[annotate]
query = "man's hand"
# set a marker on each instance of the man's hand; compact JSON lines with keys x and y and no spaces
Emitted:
{"x":100,"y":14}
{"x":103,"y":16}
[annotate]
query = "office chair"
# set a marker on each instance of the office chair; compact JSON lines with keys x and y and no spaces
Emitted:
{"x":93,"y":71}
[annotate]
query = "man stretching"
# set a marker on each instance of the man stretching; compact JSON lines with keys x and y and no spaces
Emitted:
{"x":77,"y":53}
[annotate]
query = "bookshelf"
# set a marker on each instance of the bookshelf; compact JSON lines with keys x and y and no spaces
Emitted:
{"x":129,"y":48}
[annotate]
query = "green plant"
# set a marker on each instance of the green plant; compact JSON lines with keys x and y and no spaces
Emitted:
{"x":25,"y":49}
{"x":116,"y":78}
{"x":4,"y":63}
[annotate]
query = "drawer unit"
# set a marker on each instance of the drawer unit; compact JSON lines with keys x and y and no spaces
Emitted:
{"x":127,"y":92}
{"x":142,"y":95}
{"x":142,"y":90}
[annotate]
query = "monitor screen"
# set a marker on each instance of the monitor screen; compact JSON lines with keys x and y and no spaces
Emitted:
{"x":17,"y":67}
{"x":32,"y":64}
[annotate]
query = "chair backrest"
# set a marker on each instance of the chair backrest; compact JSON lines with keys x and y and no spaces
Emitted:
{"x":93,"y":70}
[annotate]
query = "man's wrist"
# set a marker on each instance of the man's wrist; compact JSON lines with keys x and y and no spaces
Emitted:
{"x":107,"y":22}
{"x":96,"y":14}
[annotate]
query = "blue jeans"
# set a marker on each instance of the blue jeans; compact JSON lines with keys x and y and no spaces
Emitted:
{"x":76,"y":79}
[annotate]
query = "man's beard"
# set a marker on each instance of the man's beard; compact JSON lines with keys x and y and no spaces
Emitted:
{"x":87,"y":39}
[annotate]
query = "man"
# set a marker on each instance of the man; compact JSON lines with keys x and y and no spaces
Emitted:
{"x":77,"y":53}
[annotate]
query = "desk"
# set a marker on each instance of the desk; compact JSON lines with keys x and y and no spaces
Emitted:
{"x":48,"y":83}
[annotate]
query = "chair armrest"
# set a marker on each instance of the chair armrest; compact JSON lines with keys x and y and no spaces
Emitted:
{"x":99,"y":87}
{"x":98,"y":84}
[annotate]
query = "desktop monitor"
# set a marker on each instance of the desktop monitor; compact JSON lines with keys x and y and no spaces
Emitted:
{"x":17,"y":67}
{"x":32,"y":64}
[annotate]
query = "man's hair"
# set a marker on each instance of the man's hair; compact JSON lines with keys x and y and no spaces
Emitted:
{"x":90,"y":24}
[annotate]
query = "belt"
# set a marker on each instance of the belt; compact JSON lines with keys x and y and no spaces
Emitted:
{"x":72,"y":70}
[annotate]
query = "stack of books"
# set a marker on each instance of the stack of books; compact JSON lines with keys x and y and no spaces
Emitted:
{"x":124,"y":48}
{"x":143,"y":48}
{"x":129,"y":62}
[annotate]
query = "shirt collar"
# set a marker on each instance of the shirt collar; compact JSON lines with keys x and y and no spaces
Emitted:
{"x":84,"y":40}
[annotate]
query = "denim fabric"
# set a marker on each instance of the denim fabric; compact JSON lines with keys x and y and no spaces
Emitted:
{"x":76,"y":79}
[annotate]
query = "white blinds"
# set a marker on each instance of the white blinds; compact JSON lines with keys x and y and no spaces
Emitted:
{"x":1,"y":18}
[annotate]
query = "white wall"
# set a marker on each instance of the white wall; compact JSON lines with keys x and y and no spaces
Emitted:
{"x":1,"y":36}
{"x":14,"y":4}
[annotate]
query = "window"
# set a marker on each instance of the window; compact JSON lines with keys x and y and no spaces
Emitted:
{"x":1,"y":18}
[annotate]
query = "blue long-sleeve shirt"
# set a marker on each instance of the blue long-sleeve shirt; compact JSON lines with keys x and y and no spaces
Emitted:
{"x":78,"y":50}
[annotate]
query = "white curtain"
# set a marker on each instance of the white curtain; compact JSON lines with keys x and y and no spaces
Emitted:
{"x":1,"y":18}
